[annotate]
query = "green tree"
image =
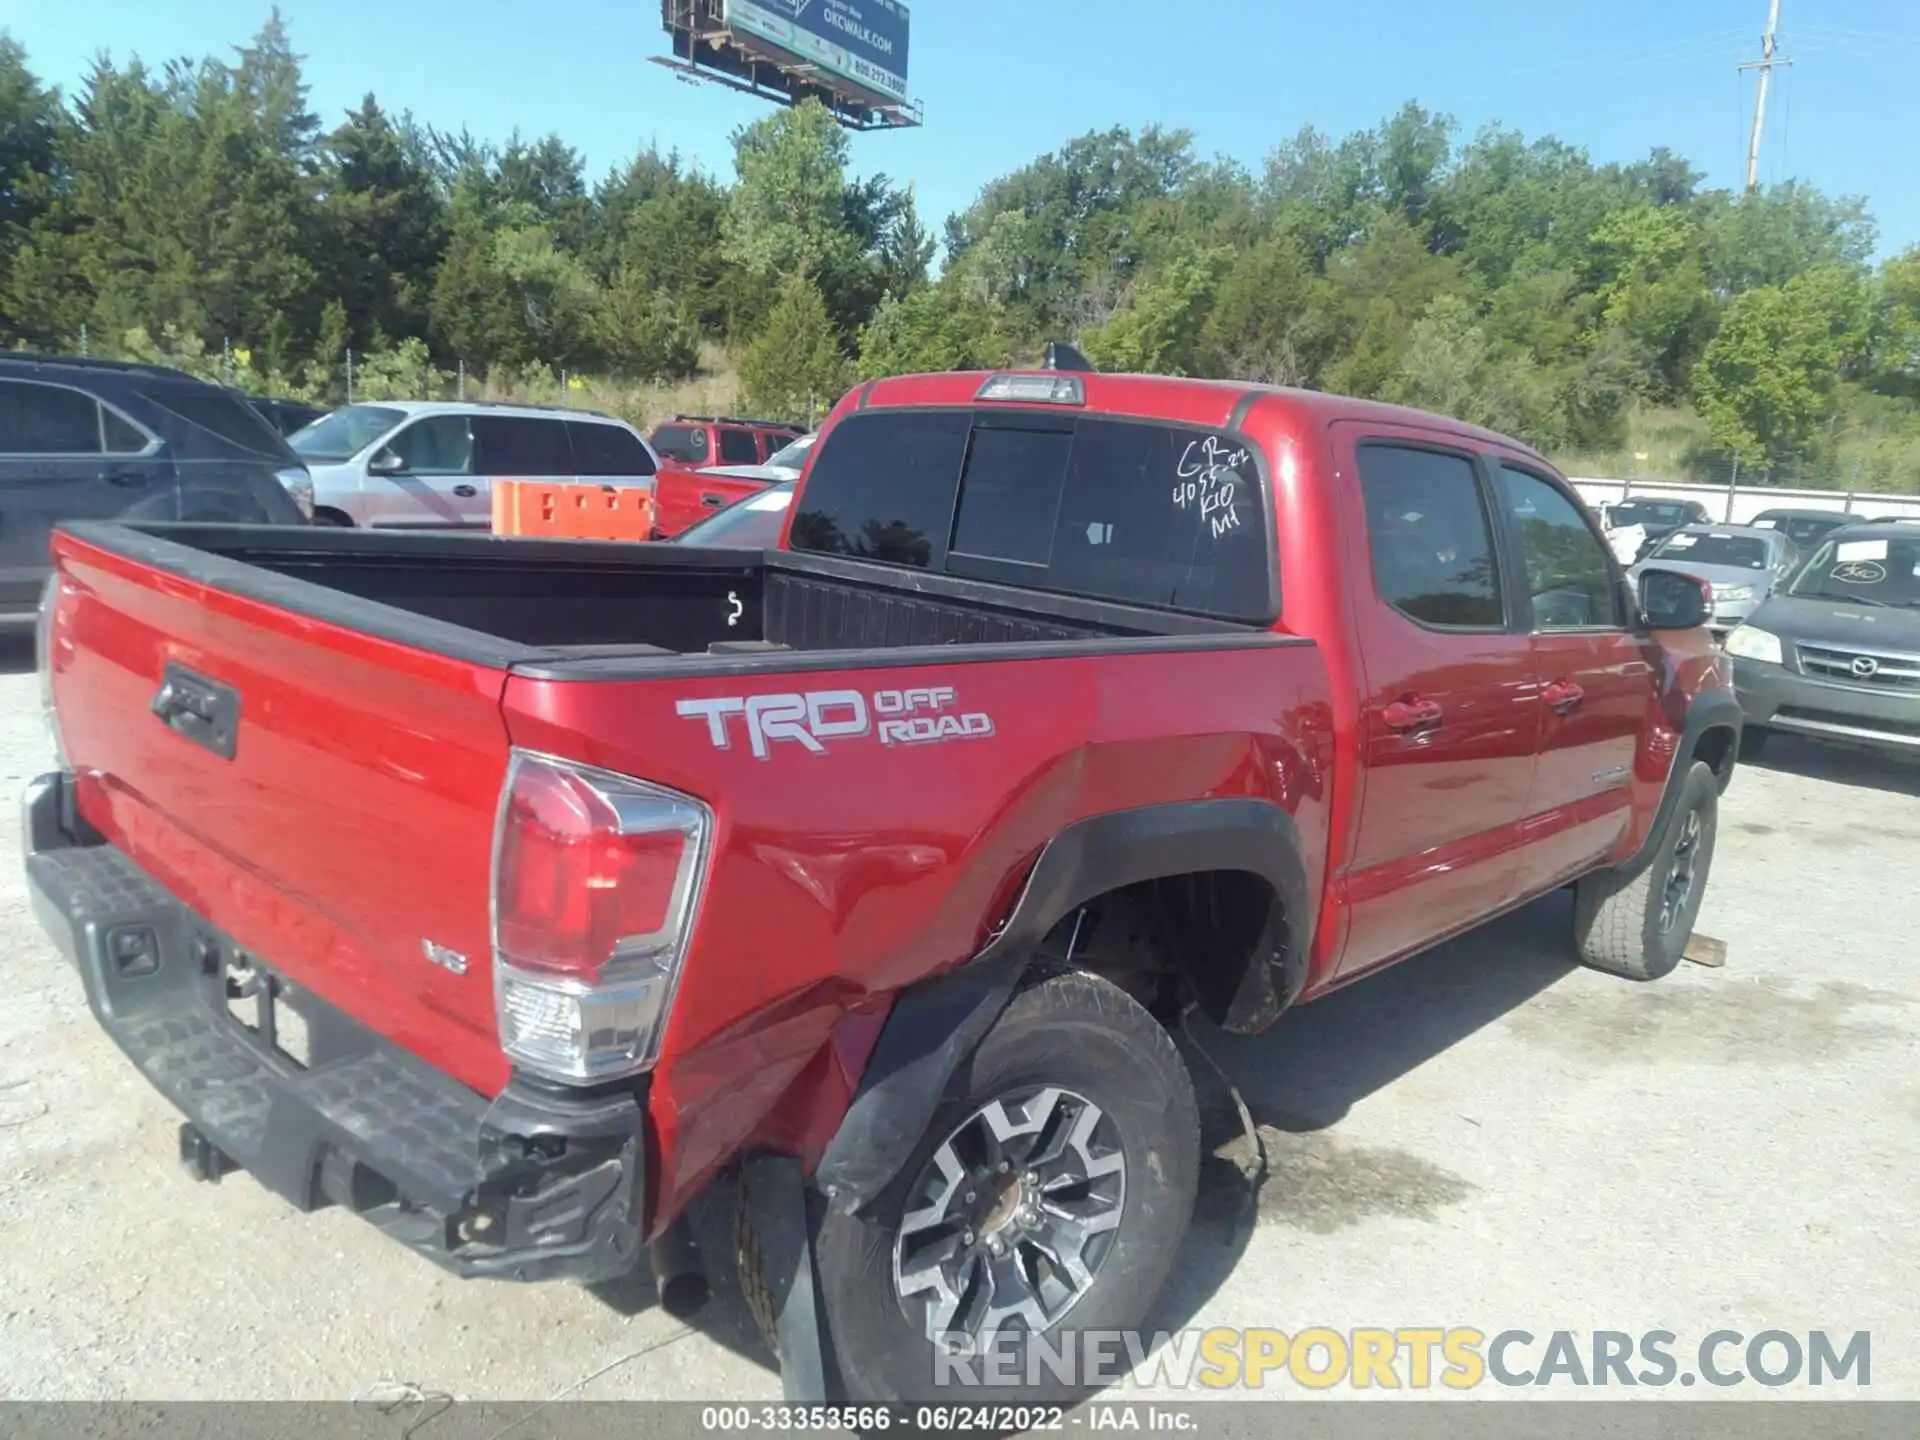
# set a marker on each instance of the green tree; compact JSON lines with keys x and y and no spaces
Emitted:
{"x":933,"y":330}
{"x":1653,"y":290}
{"x":643,"y":333}
{"x":787,"y":213}
{"x":1770,"y":236}
{"x":1769,"y":377}
{"x":1266,"y":324}
{"x":1158,"y":330}
{"x":795,"y":370}
{"x":385,"y":225}
{"x":1896,"y":369}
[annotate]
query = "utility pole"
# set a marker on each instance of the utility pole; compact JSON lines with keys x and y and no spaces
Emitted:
{"x":1765,"y":65}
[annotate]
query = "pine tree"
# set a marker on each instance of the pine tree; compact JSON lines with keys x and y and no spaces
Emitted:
{"x":795,"y":369}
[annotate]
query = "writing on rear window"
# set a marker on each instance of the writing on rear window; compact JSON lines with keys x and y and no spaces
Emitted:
{"x":923,"y":716}
{"x":1130,"y":510}
{"x":1209,"y":477}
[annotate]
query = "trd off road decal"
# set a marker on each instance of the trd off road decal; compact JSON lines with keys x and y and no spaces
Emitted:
{"x":896,"y":717}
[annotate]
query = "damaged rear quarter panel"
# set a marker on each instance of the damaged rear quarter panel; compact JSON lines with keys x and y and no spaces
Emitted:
{"x":845,"y":867}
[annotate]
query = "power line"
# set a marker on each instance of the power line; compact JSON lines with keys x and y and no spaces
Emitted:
{"x":1695,"y":47}
{"x":1769,"y":60}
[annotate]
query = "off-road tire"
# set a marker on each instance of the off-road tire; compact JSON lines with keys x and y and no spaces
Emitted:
{"x":1072,"y":1030}
{"x":1617,"y":913}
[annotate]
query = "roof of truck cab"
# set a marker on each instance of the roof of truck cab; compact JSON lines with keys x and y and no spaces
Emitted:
{"x":1214,"y":403}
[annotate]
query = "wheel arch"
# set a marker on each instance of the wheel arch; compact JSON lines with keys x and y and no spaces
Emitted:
{"x":935,"y":1025}
{"x":1711,"y":734}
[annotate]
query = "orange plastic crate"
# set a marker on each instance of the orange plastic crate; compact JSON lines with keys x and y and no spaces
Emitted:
{"x":540,"y":508}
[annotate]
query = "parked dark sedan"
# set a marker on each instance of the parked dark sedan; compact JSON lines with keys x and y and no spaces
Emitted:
{"x":1836,"y":654}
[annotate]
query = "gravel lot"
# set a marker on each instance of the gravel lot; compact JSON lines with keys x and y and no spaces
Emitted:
{"x":1487,"y":1136}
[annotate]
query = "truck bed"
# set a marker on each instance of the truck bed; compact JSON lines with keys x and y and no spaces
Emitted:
{"x":521,"y":602}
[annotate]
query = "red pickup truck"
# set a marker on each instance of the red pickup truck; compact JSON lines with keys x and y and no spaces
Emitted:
{"x":508,"y":893}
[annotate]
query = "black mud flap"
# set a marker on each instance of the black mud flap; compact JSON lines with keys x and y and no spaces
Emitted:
{"x":777,"y":1207}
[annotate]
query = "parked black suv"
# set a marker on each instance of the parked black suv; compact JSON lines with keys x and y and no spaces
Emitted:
{"x":1836,"y":653}
{"x":93,"y":439}
{"x":286,"y":416}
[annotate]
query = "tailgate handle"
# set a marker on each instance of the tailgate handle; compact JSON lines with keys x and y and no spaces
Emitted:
{"x":201,"y":710}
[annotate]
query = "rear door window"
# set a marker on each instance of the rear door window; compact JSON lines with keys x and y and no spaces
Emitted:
{"x":738,"y":447}
{"x":1130,"y":511}
{"x":600,"y":449}
{"x":1428,"y":530}
{"x":47,"y":420}
{"x":517,"y":445}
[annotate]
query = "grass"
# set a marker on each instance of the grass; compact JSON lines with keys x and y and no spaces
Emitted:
{"x":715,"y":390}
{"x":1871,"y":446}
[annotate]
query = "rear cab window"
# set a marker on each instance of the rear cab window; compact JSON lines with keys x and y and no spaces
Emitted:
{"x":738,"y":447}
{"x":1134,"y":511}
{"x":1746,"y":551}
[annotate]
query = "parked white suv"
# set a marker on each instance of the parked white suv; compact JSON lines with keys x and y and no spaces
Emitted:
{"x":420,"y":464}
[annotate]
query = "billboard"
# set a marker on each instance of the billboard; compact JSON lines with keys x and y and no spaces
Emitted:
{"x":861,"y":41}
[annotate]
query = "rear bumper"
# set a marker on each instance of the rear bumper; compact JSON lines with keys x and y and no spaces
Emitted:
{"x":1773,"y":696}
{"x":539,"y":1183}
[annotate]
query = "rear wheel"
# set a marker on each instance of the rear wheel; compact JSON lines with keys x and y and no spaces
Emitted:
{"x":1052,"y":1189}
{"x":1637,"y":923}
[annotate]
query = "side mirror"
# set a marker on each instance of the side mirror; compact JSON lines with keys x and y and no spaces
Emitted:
{"x":387,"y":462}
{"x":1670,"y":600}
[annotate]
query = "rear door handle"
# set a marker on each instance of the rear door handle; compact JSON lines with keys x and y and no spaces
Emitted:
{"x":712,"y":502}
{"x":1563,"y":697}
{"x":465,"y":492}
{"x":127,"y":479}
{"x":1412,"y":715}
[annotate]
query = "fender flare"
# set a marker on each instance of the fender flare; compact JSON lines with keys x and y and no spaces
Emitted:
{"x":935,"y":1026}
{"x":1709,"y":710}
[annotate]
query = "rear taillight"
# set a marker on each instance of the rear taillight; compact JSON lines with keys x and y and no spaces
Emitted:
{"x":595,"y":879}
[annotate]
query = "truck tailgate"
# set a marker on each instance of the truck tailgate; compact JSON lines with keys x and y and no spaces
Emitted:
{"x":336,"y":825}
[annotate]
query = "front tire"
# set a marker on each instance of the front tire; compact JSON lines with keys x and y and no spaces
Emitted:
{"x":1052,"y":1190}
{"x":1637,"y":924}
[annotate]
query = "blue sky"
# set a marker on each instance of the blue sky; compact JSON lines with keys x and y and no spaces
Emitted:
{"x":1005,"y":80}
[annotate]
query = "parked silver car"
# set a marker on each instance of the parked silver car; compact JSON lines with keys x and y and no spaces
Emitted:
{"x":1743,"y":563}
{"x":431,"y":465}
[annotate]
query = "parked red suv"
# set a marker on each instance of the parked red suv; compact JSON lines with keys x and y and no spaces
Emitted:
{"x":508,"y":893}
{"x":696,"y":441}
